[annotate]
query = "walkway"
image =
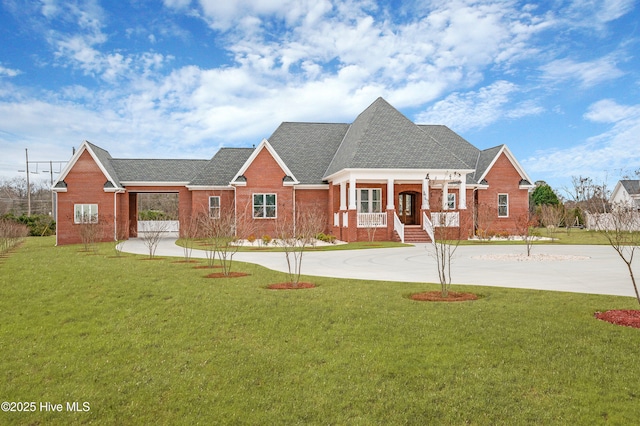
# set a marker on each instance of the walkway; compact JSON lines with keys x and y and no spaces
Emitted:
{"x":600,"y":271}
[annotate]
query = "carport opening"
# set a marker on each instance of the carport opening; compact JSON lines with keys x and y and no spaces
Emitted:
{"x":158,"y":212}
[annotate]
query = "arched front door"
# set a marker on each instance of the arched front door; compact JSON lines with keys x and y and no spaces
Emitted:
{"x":407,"y":208}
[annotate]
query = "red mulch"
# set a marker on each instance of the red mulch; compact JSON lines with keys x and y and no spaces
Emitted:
{"x":290,"y":286}
{"x":627,"y":318}
{"x":436,"y":296}
{"x":231,"y":275}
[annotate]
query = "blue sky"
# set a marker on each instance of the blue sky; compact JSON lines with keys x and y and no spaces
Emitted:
{"x":557,"y":81}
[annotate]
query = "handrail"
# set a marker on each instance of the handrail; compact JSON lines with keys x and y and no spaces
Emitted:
{"x":398,"y":226}
{"x":428,"y":226}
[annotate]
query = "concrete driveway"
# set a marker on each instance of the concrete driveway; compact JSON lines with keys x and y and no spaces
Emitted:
{"x":599,"y":270}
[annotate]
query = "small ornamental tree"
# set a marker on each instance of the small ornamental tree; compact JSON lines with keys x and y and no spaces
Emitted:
{"x":295,"y":236}
{"x":448,"y":232}
{"x":621,"y":227}
{"x":485,"y":216}
{"x":151,"y":234}
{"x":188,"y":233}
{"x":525,"y":223}
{"x":551,"y":216}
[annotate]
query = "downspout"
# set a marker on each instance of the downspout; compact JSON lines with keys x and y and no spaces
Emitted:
{"x":294,"y":211}
{"x":235,"y":212}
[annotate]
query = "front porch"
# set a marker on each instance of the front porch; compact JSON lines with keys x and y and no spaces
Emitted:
{"x":398,"y":209}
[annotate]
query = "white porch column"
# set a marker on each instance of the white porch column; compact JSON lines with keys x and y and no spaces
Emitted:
{"x":352,"y":193}
{"x":425,"y":194}
{"x":462,"y":204}
{"x":343,"y":195}
{"x":390,"y":195}
{"x":445,"y":195}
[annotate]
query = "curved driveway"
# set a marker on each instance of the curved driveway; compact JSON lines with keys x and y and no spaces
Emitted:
{"x":601,"y":272}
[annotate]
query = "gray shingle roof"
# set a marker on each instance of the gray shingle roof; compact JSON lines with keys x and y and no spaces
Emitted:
{"x":307,"y":148}
{"x":152,"y":170}
{"x":381,"y":137}
{"x":631,"y":186}
{"x":222,"y":167}
{"x":485,"y":159}
{"x":105,"y":158}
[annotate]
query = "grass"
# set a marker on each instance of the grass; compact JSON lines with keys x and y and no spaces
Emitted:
{"x":560,"y":236}
{"x":154,"y":342}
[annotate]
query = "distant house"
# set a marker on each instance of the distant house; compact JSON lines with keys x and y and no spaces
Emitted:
{"x":382,"y":171}
{"x":626,"y":192}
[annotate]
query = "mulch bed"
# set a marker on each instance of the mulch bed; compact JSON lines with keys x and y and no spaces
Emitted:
{"x":290,"y":286}
{"x":436,"y":296}
{"x":625,"y":317}
{"x":231,"y":275}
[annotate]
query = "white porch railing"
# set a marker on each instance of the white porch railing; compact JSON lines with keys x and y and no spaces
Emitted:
{"x":336,"y":219}
{"x":169,"y":227}
{"x":398,"y":226}
{"x":428,"y":226}
{"x":372,"y":220}
{"x":446,"y":219}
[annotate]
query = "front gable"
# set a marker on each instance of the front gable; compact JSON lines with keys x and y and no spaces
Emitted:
{"x":87,"y":160}
{"x":265,"y":168}
{"x":505,"y":165}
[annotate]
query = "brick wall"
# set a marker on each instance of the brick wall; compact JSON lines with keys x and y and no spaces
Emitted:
{"x":264,"y":176}
{"x":503,"y":178}
{"x":85,"y":185}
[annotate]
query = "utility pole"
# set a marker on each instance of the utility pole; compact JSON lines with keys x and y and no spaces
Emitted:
{"x":26,"y":151}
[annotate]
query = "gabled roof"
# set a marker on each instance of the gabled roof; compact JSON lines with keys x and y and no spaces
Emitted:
{"x":102,"y":159}
{"x":382,"y":138}
{"x":307,"y":148}
{"x":156,"y":170}
{"x":266,"y":145}
{"x":631,"y":186}
{"x":220,"y":170}
{"x":489,"y":157}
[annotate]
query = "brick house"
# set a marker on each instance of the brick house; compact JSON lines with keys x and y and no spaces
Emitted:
{"x":381,"y":173}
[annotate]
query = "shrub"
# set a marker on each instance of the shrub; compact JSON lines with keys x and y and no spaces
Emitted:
{"x":266,"y":239}
{"x":39,"y":225}
{"x":327,"y":238}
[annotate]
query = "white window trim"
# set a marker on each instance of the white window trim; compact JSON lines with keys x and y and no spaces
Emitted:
{"x":87,"y":211}
{"x":506,"y":205}
{"x":212,"y":197}
{"x":451,"y":197}
{"x":370,"y":200}
{"x":264,"y":206}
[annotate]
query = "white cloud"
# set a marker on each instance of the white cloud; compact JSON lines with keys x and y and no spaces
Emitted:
{"x":479,"y":109}
{"x":8,"y":72}
{"x":587,"y":73}
{"x":600,"y":156}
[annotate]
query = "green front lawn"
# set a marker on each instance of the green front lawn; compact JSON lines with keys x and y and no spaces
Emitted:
{"x":154,"y":342}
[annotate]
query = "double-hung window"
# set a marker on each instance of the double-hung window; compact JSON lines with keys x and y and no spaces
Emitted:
{"x":503,"y":205}
{"x":85,"y":213}
{"x":369,"y":200}
{"x":264,"y":206}
{"x":214,"y":207}
{"x":451,"y":201}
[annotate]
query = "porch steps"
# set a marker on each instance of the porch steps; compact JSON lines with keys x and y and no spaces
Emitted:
{"x":415,"y":234}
